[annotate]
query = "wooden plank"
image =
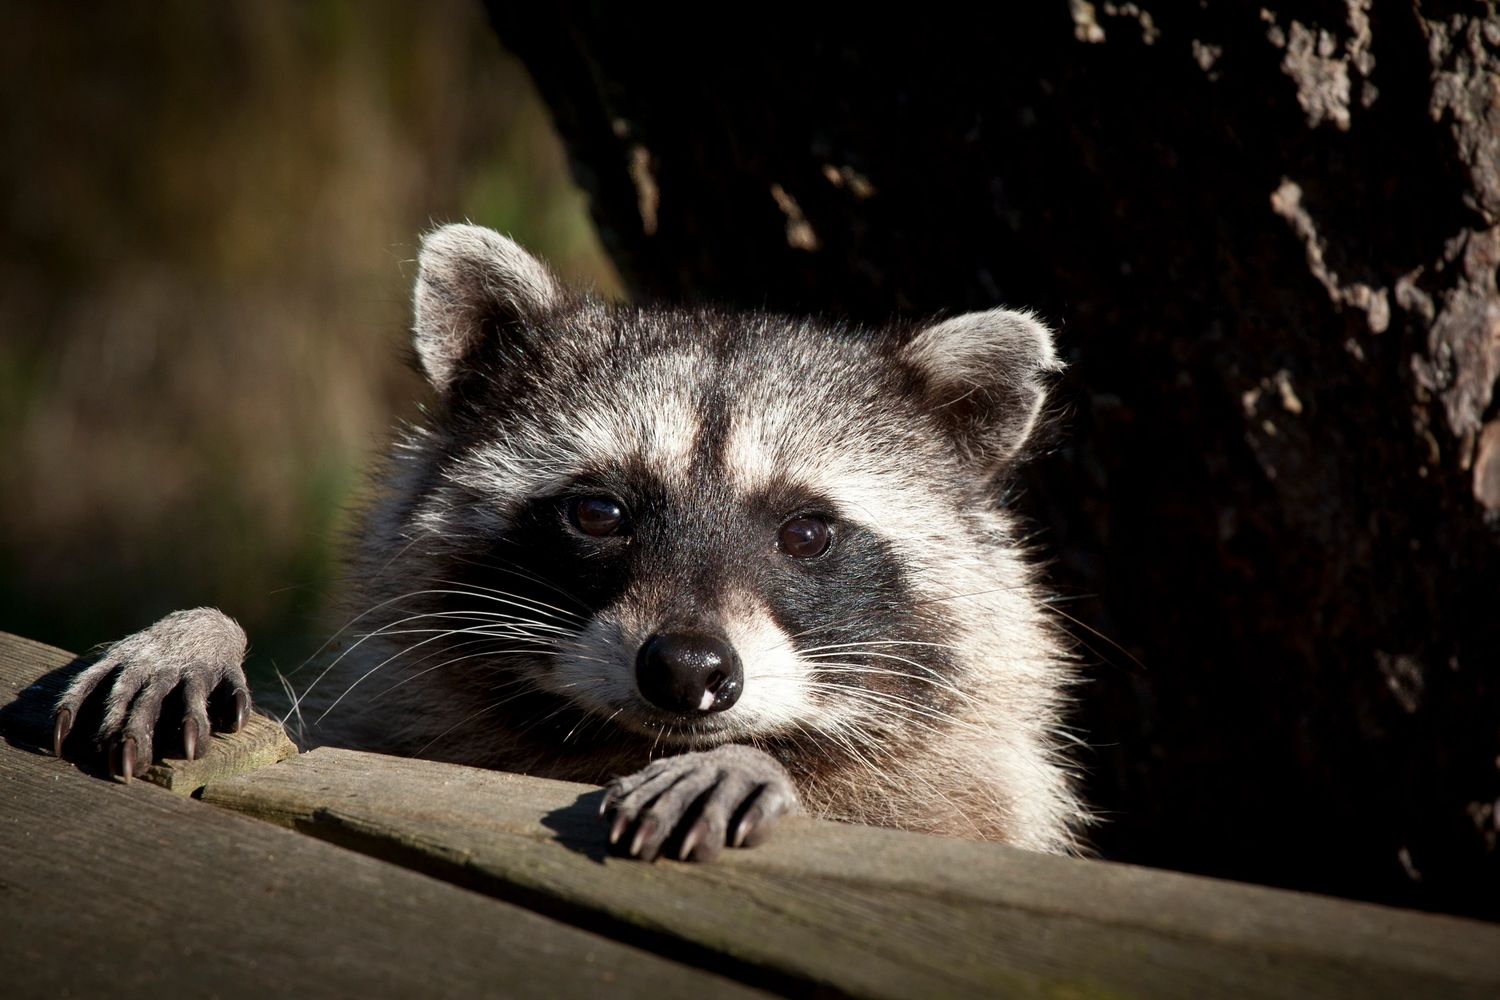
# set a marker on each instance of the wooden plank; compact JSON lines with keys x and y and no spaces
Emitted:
{"x":33,"y":675}
{"x":871,"y":912}
{"x":114,"y":890}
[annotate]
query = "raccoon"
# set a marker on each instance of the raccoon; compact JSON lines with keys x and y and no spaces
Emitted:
{"x":735,"y":566}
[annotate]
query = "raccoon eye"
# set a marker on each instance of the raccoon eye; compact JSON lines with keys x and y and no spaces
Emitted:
{"x":597,"y":516}
{"x":804,"y":537}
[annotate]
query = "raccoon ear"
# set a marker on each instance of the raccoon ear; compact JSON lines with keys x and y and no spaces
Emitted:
{"x":984,"y":373}
{"x":472,"y":283}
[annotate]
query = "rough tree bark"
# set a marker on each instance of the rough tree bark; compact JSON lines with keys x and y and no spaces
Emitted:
{"x":1270,"y":237}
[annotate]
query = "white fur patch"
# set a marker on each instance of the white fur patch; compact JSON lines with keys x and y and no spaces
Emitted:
{"x":539,"y":460}
{"x":597,"y":671}
{"x":750,"y":458}
{"x":871,"y":486}
{"x":775,"y":696}
{"x":670,"y":432}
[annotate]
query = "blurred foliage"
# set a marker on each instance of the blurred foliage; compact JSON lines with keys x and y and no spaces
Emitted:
{"x":209,"y":218}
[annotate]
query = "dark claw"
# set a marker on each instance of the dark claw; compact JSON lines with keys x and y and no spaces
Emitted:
{"x":241,"y":710}
{"x":190,"y":739}
{"x":688,"y":806}
{"x":694,"y":837}
{"x":60,"y":729}
{"x":643,"y":834}
{"x":126,"y":762}
{"x":756,"y":826}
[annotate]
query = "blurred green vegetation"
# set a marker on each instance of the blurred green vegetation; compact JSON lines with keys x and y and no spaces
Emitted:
{"x":209,"y":218}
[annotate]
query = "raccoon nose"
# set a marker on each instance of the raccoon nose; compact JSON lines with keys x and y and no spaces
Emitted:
{"x":689,"y":673}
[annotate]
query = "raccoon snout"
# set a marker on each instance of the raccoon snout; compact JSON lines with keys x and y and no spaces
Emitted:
{"x":689,"y":674}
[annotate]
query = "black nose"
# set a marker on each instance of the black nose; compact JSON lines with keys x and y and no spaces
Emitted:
{"x":689,"y":673}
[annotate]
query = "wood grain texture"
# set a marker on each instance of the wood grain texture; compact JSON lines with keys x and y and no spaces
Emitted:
{"x":870,"y":912}
{"x":119,"y":890}
{"x":132,"y":878}
{"x":33,"y":675}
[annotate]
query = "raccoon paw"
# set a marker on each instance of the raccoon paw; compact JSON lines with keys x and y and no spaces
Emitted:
{"x":195,"y":653}
{"x":698,"y":802}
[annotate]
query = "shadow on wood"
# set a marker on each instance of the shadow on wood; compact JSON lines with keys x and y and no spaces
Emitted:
{"x":109,"y":890}
{"x":26,"y":723}
{"x":577,"y":826}
{"x":123,"y":880}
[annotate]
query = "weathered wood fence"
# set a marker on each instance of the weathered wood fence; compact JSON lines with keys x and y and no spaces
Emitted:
{"x":336,"y":873}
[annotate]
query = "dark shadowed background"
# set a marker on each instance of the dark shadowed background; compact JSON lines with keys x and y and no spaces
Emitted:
{"x":1269,"y":235}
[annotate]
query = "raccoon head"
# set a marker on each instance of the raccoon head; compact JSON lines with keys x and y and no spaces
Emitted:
{"x":697,"y":527}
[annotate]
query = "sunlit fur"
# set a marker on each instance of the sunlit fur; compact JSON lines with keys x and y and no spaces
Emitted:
{"x":910,"y":677}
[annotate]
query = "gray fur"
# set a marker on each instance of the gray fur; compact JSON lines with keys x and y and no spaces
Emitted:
{"x":911,"y":678}
{"x":200,"y":650}
{"x":989,"y":366}
{"x":469,"y":276}
{"x":744,"y":792}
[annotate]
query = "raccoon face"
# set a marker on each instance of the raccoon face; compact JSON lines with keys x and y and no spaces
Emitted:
{"x":699,"y":527}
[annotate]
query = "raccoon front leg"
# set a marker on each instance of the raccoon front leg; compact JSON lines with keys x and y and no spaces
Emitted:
{"x":199,"y":651}
{"x":729,"y":795}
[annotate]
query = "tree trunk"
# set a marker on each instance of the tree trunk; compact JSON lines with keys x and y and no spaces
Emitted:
{"x":1269,"y":237}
